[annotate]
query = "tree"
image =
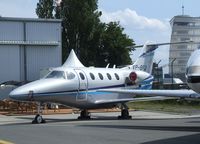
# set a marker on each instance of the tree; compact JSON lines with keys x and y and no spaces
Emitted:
{"x":94,"y":42}
{"x":45,"y":8}
{"x":115,"y":45}
{"x":80,"y":23}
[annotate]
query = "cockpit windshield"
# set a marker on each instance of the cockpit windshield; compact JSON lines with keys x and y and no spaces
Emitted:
{"x":56,"y":75}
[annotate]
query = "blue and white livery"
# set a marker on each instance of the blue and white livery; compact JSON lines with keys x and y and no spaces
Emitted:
{"x":74,"y":85}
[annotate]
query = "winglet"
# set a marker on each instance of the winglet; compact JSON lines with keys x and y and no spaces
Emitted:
{"x":72,"y":61}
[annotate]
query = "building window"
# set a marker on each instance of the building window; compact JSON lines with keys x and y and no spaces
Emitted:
{"x":92,"y":76}
{"x":185,"y":54}
{"x":109,"y":76}
{"x":100,"y":76}
{"x":182,"y":32}
{"x":185,"y":39}
{"x":181,"y":23}
{"x":182,"y":61}
{"x":181,"y":46}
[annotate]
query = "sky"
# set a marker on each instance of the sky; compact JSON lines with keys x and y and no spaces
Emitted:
{"x":142,"y":20}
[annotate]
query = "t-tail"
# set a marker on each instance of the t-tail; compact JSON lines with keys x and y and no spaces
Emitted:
{"x":145,"y":61}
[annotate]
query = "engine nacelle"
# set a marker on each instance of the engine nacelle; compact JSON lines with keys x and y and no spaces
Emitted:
{"x":139,"y":77}
{"x":133,"y":76}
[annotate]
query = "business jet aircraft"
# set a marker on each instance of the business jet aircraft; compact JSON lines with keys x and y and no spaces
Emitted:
{"x":193,"y":81}
{"x":74,"y":85}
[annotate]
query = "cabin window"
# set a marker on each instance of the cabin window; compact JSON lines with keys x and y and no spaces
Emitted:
{"x":82,"y":76}
{"x":117,"y":76}
{"x":100,"y":76}
{"x":70,"y":75}
{"x":56,"y":75}
{"x":109,"y":76}
{"x":92,"y":76}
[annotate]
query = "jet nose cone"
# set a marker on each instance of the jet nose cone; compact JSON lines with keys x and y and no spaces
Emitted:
{"x":19,"y":94}
{"x":12,"y":94}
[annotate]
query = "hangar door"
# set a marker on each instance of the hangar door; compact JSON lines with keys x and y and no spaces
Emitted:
{"x":40,"y":57}
{"x":10,"y":63}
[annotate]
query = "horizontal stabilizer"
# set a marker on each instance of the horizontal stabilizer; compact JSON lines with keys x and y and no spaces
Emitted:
{"x":160,"y":44}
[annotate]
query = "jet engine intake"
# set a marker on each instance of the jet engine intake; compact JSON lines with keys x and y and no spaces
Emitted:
{"x":133,"y":76}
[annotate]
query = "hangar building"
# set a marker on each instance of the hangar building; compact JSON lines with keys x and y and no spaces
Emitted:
{"x":27,"y":46}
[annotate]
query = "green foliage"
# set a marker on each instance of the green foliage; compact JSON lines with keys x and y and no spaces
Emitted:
{"x":116,"y":45}
{"x":45,"y":8}
{"x":94,"y":42}
{"x":80,"y":23}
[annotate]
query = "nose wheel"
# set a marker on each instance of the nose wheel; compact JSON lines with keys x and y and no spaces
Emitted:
{"x":38,"y":118}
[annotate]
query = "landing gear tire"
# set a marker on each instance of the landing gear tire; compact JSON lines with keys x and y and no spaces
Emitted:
{"x":38,"y":119}
{"x":124,"y":112}
{"x":84,"y":115}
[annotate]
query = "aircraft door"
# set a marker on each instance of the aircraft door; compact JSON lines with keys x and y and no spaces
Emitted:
{"x":83,"y":85}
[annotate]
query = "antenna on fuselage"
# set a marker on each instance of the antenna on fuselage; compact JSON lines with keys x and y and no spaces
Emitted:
{"x":108,"y":65}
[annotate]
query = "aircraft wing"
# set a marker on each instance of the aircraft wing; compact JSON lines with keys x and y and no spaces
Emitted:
{"x":131,"y":99}
{"x":182,"y":93}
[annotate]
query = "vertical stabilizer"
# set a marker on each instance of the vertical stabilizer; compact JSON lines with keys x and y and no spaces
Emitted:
{"x":145,"y":61}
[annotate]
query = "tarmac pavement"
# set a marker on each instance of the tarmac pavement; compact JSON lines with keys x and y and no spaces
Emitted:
{"x":104,"y":128}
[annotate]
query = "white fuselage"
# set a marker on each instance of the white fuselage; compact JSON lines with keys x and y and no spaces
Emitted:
{"x":78,"y":87}
{"x":193,"y":71}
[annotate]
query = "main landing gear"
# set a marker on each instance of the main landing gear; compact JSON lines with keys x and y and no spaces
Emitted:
{"x":84,"y":115}
{"x":124,"y":112}
{"x":38,"y":118}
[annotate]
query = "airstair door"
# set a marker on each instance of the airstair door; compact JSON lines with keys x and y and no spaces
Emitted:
{"x":83,"y":85}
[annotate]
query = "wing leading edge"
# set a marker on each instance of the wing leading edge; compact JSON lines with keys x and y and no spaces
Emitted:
{"x":183,"y":93}
{"x":131,"y":99}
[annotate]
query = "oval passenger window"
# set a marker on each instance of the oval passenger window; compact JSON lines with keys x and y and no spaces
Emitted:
{"x":82,"y":76}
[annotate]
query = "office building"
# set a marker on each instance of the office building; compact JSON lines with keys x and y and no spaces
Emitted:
{"x":184,"y":28}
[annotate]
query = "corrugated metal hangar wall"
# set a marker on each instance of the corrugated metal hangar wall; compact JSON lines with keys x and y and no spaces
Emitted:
{"x":27,"y":46}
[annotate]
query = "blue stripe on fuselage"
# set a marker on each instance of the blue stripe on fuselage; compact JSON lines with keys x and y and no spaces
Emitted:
{"x":146,"y":84}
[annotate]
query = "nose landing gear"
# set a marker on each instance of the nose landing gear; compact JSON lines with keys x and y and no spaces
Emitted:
{"x":38,"y":119}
